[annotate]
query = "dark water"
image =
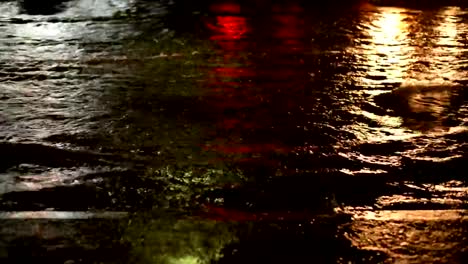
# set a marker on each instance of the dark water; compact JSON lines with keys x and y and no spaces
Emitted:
{"x":230,"y":132}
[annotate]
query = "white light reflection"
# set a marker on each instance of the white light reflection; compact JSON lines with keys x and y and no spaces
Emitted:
{"x":97,"y":8}
{"x":61,"y":215}
{"x":8,"y":9}
{"x":47,"y":40}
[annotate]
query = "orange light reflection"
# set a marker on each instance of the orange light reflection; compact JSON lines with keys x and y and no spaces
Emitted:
{"x":385,"y":52}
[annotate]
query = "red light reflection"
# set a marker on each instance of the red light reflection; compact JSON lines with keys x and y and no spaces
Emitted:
{"x":227,"y":8}
{"x":248,"y":149}
{"x":240,"y":84}
{"x":290,"y":29}
{"x":231,"y":72}
{"x":225,"y":215}
{"x":228,"y":28}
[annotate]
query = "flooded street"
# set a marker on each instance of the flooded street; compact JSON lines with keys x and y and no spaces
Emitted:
{"x":136,"y":131}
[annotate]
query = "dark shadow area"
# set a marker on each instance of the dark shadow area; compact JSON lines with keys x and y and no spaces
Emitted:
{"x":63,"y":241}
{"x":283,"y":242}
{"x":45,"y":7}
{"x":419,"y":4}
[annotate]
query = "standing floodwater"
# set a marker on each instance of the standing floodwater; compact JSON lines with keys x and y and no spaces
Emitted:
{"x":226,"y":132}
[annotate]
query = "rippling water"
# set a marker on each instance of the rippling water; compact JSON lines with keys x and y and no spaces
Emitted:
{"x":263,"y":116}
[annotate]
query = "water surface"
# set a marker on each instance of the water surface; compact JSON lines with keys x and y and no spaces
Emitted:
{"x":224,"y":131}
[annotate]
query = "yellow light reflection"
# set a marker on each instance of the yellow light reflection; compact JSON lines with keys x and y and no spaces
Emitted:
{"x":448,"y":49}
{"x":388,"y":28}
{"x":385,"y":51}
{"x":418,"y":53}
{"x":431,"y":87}
{"x":185,"y":260}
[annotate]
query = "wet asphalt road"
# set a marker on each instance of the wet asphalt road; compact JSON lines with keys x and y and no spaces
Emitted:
{"x":232,"y":132}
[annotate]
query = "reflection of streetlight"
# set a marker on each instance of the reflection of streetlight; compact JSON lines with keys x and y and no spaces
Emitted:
{"x":388,"y":28}
{"x":228,"y":93}
{"x":448,"y":27}
{"x":447,"y":45}
{"x":289,"y":30}
{"x":43,"y":31}
{"x":385,"y":53}
{"x":47,"y":40}
{"x":424,"y":104}
{"x":243,"y":86}
{"x":173,"y":240}
{"x":229,"y":28}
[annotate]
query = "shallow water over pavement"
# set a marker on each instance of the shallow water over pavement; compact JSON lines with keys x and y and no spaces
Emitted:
{"x":222,"y":132}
